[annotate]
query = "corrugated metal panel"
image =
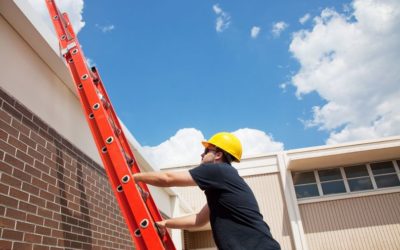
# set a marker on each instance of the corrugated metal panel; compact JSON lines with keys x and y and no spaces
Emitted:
{"x":370,"y":222}
{"x":199,"y":240}
{"x":269,"y":194}
{"x":268,"y":191}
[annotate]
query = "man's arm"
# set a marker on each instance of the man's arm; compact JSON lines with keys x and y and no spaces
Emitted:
{"x":166,"y":179}
{"x":186,"y":222}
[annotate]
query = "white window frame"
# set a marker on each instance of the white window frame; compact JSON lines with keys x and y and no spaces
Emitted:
{"x":348,"y":193}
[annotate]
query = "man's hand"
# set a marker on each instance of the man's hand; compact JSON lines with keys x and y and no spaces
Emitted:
{"x":162,"y":227}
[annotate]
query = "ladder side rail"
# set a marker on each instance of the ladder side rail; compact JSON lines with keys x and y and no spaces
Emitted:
{"x":142,"y":216}
{"x":77,"y":53}
{"x":151,"y":205}
{"x":115,"y":183}
{"x":135,"y":168}
{"x":61,"y":27}
{"x":119,"y":165}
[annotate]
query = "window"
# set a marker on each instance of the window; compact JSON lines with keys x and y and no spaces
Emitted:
{"x":358,"y":178}
{"x":331,"y":181}
{"x":305,"y":184}
{"x":385,"y":174}
{"x":347,"y":179}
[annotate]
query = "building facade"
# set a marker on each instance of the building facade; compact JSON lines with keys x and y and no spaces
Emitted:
{"x":54,"y":193}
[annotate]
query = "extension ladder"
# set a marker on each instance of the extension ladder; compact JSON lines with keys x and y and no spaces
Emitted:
{"x":139,"y":211}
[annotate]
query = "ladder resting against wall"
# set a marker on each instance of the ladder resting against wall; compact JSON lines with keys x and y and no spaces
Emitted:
{"x":119,"y":161}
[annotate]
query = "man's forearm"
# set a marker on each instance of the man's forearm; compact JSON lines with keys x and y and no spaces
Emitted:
{"x":184,"y":222}
{"x":158,"y":179}
{"x":166,"y":179}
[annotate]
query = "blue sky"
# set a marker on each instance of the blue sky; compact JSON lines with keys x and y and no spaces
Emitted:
{"x":280,"y":74}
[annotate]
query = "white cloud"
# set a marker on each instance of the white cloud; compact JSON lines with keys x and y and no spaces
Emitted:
{"x":217,"y":9}
{"x":255,"y":31}
{"x":352,"y":61}
{"x":185,"y":148}
{"x":106,"y":28}
{"x":278,"y":27}
{"x":256,"y":142}
{"x":223,"y":19}
{"x":73,"y":8}
{"x":304,"y":18}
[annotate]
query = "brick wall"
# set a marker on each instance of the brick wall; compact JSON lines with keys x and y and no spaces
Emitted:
{"x":52,"y":196}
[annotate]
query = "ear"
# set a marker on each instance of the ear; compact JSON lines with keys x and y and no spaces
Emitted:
{"x":219,"y":155}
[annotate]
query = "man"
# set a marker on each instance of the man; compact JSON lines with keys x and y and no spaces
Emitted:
{"x":231,"y":206}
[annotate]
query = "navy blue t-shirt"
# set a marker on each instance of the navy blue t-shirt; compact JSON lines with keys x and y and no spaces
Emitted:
{"x":235,"y":218}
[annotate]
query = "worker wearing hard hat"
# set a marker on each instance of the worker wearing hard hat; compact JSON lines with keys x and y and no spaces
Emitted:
{"x":231,"y":208}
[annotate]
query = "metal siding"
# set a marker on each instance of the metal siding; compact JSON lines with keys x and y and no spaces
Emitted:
{"x":369,"y":222}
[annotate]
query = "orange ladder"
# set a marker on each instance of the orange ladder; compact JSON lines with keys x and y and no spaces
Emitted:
{"x":140,"y":212}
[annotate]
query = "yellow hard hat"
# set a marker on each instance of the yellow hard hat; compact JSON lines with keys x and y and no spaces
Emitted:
{"x":227,"y":142}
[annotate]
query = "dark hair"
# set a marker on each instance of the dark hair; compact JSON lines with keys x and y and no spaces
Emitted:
{"x":226,"y":157}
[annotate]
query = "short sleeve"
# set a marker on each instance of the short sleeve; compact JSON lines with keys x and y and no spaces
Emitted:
{"x":207,"y":176}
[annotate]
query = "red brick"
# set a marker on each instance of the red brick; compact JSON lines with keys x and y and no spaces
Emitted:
{"x":37,"y":138}
{"x":4,"y":189}
{"x":18,"y":194}
{"x":5,"y":244}
{"x":27,"y":122}
{"x":40,"y":123}
{"x":6,"y":147}
{"x":12,"y":111}
{"x":35,"y":219}
{"x":22,"y":246}
{"x":23,"y":206}
{"x":25,"y":227}
{"x":15,"y":214}
{"x":42,"y":167}
{"x":23,"y":110}
{"x":3,"y":135}
{"x":24,"y":157}
{"x":30,"y":188}
{"x":49,"y":241}
{"x":51,"y":223}
{"x":49,"y":163}
{"x":42,"y":230}
{"x":57,"y":233}
{"x":28,"y":141}
{"x":39,"y":183}
{"x":13,"y":161}
{"x":17,"y":143}
{"x":33,"y":238}
{"x":35,"y":154}
{"x":51,"y":147}
{"x":59,"y":248}
{"x":42,"y":150}
{"x":33,"y":171}
{"x":53,"y":206}
{"x":7,"y":223}
{"x":40,"y":247}
{"x":46,"y":195}
{"x":37,"y":201}
{"x":12,"y":235}
{"x":10,"y":180}
{"x":20,"y":175}
{"x":48,"y":179}
{"x":45,"y":213}
{"x":20,"y":127}
{"x":4,"y":116}
{"x":55,"y":134}
{"x":8,"y":129}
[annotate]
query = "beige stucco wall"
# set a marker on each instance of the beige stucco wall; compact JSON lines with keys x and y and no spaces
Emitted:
{"x":29,"y":79}
{"x":369,"y":222}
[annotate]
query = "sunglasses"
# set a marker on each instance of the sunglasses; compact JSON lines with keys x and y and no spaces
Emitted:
{"x":207,"y":150}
